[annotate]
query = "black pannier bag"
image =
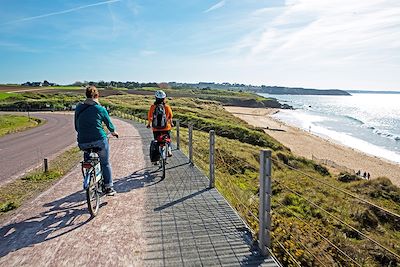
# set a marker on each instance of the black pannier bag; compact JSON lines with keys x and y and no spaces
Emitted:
{"x":154,"y":151}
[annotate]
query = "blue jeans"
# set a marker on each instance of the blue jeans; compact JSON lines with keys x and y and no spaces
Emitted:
{"x":103,"y":156}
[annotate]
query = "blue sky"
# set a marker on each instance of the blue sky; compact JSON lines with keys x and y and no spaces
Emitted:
{"x":348,"y":44}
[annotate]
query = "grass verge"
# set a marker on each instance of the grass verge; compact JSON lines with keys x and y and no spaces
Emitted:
{"x":14,"y":194}
{"x":15,"y":123}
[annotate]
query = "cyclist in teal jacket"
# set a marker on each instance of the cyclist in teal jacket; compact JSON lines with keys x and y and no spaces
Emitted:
{"x":89,"y":119}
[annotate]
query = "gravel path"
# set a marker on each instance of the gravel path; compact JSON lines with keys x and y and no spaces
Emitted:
{"x":23,"y":151}
{"x":55,"y":228}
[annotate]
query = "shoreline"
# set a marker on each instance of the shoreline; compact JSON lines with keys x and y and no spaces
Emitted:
{"x":311,"y":146}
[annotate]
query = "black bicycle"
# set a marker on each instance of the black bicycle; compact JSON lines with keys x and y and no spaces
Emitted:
{"x":163,"y":141}
{"x":93,"y":182}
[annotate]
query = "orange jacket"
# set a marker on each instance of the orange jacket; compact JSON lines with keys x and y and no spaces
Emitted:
{"x":168,"y":113}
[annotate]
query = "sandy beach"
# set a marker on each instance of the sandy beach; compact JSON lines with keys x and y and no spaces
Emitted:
{"x":303,"y":143}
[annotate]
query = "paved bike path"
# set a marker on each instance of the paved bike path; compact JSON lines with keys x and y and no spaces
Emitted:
{"x":55,"y":228}
{"x":150,"y":222}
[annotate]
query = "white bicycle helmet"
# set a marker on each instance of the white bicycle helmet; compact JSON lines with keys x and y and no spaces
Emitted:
{"x":160,"y":94}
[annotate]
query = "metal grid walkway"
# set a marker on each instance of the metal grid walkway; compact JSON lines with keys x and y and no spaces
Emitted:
{"x":188,"y":224}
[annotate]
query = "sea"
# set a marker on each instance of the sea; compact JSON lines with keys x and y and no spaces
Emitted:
{"x":368,"y":122}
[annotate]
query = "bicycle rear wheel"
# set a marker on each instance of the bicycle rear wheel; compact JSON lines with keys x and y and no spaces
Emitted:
{"x":163,"y":161}
{"x":93,"y":196}
{"x":163,"y":168}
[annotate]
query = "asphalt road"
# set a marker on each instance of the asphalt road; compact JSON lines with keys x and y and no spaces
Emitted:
{"x":25,"y":150}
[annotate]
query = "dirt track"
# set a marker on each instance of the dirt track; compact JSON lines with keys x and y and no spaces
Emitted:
{"x":55,"y":228}
{"x":22,"y":151}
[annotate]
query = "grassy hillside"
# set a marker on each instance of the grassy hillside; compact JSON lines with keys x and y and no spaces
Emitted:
{"x":311,"y":220}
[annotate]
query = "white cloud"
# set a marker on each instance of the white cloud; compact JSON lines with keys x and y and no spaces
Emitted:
{"x":60,"y":12}
{"x":312,"y":36}
{"x":216,"y":6}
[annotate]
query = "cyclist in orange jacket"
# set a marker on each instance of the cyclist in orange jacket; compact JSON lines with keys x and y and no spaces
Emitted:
{"x":160,"y":117}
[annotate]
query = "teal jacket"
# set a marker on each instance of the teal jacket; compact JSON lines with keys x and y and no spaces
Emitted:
{"x":89,"y":118}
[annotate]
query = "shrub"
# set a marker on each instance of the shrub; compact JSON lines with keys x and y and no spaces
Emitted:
{"x":10,"y":205}
{"x":367,"y":219}
{"x":347,"y":177}
{"x":321,"y":170}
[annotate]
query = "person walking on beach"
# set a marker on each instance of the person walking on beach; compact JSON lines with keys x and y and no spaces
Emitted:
{"x":368,"y":176}
{"x":365,"y":175}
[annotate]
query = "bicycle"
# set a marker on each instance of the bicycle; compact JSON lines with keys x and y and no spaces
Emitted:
{"x":163,"y":141}
{"x":93,"y":182}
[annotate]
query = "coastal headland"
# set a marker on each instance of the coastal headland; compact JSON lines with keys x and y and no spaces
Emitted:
{"x":310,"y":146}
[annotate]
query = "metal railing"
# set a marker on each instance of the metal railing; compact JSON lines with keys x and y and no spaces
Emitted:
{"x":264,"y":237}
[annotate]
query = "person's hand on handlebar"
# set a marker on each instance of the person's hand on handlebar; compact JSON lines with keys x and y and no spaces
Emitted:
{"x":115,"y":134}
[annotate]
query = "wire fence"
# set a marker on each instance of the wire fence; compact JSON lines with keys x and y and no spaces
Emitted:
{"x":335,"y":217}
{"x":232,"y":169}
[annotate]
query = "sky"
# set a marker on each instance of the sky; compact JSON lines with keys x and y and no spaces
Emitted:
{"x":329,"y":44}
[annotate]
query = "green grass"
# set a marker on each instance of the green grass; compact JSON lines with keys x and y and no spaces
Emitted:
{"x":13,"y":123}
{"x":14,"y":194}
{"x":11,"y":84}
{"x":34,"y":101}
{"x":4,"y":96}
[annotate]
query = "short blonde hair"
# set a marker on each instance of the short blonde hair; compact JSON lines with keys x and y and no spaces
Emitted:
{"x":91,"y":91}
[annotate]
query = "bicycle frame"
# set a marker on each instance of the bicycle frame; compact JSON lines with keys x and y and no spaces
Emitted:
{"x":89,"y":167}
{"x":163,"y":143}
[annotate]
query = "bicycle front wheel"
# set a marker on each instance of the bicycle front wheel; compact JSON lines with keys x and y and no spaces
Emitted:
{"x":93,"y":196}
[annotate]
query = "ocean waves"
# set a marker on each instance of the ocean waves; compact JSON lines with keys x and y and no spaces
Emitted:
{"x":386,"y":134}
{"x":359,"y":122}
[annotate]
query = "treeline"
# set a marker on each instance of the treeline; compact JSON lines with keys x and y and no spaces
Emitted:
{"x":117,"y":84}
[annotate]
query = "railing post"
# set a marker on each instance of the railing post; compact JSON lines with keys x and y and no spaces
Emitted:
{"x":264,"y":235}
{"x":178,"y":140}
{"x":190,"y":143}
{"x":212,"y":159}
{"x":46,"y":165}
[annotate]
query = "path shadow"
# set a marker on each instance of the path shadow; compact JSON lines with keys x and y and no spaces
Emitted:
{"x":62,"y":216}
{"x":144,"y":177}
{"x":181,"y":199}
{"x":255,"y":258}
{"x":177,"y":166}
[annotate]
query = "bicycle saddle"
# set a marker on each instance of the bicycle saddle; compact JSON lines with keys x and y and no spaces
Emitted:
{"x":92,"y":149}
